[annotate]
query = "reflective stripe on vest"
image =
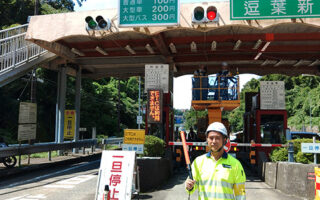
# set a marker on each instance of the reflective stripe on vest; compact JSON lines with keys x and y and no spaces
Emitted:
{"x":215,"y":195}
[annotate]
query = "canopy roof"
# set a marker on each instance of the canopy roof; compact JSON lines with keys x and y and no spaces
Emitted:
{"x":259,"y":47}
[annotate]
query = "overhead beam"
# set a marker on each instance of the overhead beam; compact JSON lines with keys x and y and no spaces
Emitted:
{"x":158,"y":40}
{"x":57,"y":48}
{"x":247,"y":37}
{"x":120,"y":60}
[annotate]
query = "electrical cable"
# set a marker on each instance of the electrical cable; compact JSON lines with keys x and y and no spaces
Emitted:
{"x":24,"y":89}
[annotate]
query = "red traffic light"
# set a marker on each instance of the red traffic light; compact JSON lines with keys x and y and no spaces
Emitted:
{"x":211,"y":15}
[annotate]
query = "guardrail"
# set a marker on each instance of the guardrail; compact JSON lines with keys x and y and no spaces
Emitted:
{"x":117,"y":141}
{"x":44,"y":147}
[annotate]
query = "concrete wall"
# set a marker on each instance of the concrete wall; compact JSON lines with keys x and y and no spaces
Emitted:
{"x":291,"y":178}
{"x":271,"y":174}
{"x":153,"y":172}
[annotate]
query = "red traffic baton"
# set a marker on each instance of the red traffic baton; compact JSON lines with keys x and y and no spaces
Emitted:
{"x":186,"y":153}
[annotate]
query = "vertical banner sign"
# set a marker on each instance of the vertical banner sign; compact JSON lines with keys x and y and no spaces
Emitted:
{"x":273,"y":9}
{"x":69,"y":123}
{"x":116,"y":172}
{"x":148,"y":13}
{"x":157,"y":77}
{"x":154,"y":106}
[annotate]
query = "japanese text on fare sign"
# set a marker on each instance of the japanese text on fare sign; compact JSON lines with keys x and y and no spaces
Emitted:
{"x":274,"y":9}
{"x":148,"y":13}
{"x":154,"y":106}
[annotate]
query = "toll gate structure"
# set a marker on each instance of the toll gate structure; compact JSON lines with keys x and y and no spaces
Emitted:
{"x":284,"y":46}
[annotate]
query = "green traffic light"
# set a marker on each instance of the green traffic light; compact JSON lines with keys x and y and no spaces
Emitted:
{"x":198,"y":13}
{"x":91,"y":23}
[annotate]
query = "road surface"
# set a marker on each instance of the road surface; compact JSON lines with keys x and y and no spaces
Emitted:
{"x":78,"y":182}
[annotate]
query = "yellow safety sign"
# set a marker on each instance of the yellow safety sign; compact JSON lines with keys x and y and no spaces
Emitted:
{"x":69,"y":123}
{"x":134,"y":136}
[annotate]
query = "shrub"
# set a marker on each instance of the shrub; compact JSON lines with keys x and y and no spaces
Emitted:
{"x":154,"y":146}
{"x":279,"y":154}
{"x":304,"y":158}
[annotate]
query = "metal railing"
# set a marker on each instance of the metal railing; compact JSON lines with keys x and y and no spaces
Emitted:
{"x":15,"y":50}
{"x":215,"y":88}
{"x":117,"y":141}
{"x":44,"y":147}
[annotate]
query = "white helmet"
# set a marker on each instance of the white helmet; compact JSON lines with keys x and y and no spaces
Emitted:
{"x":218,"y":127}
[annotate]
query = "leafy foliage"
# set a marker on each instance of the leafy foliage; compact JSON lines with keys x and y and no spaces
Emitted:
{"x":281,"y":154}
{"x":191,"y":117}
{"x":17,"y":11}
{"x":154,"y":146}
{"x":302,"y":93}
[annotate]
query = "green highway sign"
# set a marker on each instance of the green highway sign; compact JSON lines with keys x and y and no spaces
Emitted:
{"x":273,"y":9}
{"x":133,"y":13}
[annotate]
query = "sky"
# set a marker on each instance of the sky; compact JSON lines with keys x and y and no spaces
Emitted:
{"x":182,"y":87}
{"x":105,"y":4}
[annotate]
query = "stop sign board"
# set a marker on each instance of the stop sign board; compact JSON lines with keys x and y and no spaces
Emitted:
{"x":227,"y":146}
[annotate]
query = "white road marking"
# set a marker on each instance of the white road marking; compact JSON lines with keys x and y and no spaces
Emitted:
{"x":71,"y":182}
{"x":29,"y":197}
{"x":47,"y":175}
{"x":59,"y":186}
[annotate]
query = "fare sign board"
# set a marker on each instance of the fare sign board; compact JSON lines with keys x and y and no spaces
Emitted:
{"x":154,"y":106}
{"x":134,"y":13}
{"x":157,"y":77}
{"x":272,"y":95}
{"x":273,"y":9}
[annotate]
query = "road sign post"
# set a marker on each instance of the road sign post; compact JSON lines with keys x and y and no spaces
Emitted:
{"x":134,"y":13}
{"x":253,"y":9}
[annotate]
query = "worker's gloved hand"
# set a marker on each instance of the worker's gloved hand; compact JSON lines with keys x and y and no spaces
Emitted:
{"x":189,"y":184}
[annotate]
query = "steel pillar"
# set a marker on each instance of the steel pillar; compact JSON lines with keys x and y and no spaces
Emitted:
{"x":77,"y":107}
{"x":62,"y":102}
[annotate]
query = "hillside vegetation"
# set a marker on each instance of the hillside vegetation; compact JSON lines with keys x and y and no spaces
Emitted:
{"x":302,"y":93}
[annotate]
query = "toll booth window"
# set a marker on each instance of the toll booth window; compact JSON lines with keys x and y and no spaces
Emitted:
{"x":271,"y":129}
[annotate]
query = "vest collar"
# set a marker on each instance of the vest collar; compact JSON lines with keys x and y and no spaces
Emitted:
{"x":224,"y":155}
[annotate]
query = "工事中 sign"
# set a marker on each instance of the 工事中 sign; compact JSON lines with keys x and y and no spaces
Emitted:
{"x":273,"y":9}
{"x":154,"y":106}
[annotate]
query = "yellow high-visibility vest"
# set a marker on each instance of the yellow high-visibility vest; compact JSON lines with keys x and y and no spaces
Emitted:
{"x":223,"y":179}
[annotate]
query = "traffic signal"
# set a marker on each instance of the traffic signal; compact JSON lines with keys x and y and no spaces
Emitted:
{"x":99,"y":24}
{"x":205,"y":14}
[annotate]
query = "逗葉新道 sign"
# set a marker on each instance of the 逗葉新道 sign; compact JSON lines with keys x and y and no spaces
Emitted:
{"x":273,"y":9}
{"x":148,"y":13}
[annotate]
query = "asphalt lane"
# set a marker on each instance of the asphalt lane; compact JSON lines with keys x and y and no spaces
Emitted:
{"x":78,"y":182}
{"x":73,"y":182}
{"x":255,"y":189}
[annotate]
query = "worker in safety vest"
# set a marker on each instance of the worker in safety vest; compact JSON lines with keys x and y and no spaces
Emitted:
{"x":217,"y":175}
